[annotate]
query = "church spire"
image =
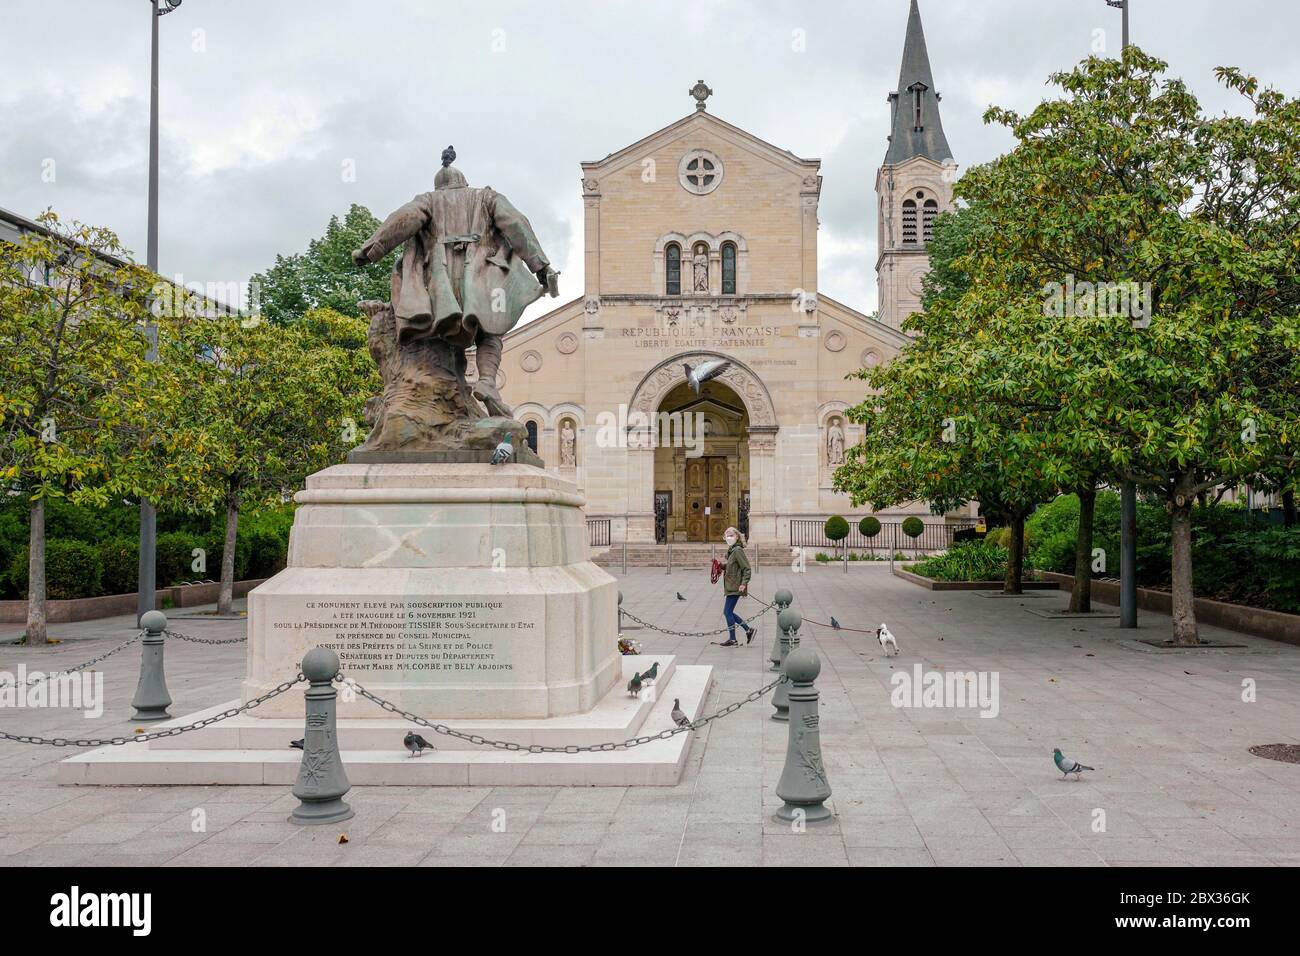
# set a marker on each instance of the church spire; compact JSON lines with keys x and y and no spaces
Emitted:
{"x":917,"y":130}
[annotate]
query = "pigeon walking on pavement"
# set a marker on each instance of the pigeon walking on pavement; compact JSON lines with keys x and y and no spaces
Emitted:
{"x":886,"y":638}
{"x":679,"y":596}
{"x":1068,"y":766}
{"x":679,"y":716}
{"x":652,"y":675}
{"x":834,"y":623}
{"x":696,"y":377}
{"x":504,"y":452}
{"x":416,"y":744}
{"x":634,"y":685}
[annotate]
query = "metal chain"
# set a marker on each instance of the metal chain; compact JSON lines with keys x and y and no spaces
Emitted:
{"x":568,"y":749}
{"x":169,"y":732}
{"x":80,"y":667}
{"x":203,"y":640}
{"x":716,"y":630}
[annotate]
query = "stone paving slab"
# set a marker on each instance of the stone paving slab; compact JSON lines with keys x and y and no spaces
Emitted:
{"x":913,"y":786}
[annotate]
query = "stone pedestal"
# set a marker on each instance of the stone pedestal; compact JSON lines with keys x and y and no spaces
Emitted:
{"x":452,"y":589}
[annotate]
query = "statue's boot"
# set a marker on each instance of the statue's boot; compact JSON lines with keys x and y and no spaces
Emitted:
{"x":488,"y":360}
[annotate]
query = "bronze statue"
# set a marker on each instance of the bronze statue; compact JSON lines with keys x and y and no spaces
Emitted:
{"x":470,"y":266}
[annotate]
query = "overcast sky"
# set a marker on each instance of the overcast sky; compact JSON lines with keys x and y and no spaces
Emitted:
{"x":266,"y":104}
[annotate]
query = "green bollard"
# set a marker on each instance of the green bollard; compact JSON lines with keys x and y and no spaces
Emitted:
{"x":790,"y":621}
{"x":322,"y":781}
{"x":803,"y":784}
{"x":151,"y":698}
{"x":782,"y":600}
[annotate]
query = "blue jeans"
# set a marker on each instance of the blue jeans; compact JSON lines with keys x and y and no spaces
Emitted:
{"x":731,"y":617}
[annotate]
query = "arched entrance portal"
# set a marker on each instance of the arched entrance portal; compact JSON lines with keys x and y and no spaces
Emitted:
{"x":702,"y":467}
{"x":745,"y":436}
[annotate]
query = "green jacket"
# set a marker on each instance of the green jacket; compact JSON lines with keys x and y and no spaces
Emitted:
{"x":737,"y":571}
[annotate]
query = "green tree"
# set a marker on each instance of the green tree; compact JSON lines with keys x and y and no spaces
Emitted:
{"x":1166,"y":245}
{"x":275,"y":404}
{"x":324,"y":276}
{"x":81,"y":406}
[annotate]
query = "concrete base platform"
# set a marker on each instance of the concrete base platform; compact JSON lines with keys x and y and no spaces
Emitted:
{"x":248,"y":750}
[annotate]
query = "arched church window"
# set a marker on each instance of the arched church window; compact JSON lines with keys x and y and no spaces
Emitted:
{"x":728,"y":268}
{"x":531,"y":427}
{"x":929,"y":212}
{"x":673,"y":266}
{"x":909,"y":220}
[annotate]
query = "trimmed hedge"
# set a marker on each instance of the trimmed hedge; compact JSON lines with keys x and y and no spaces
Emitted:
{"x":836,"y":529}
{"x":913,"y":526}
{"x":869,"y":526}
{"x":72,"y":569}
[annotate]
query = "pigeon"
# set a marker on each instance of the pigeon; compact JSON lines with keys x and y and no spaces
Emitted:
{"x":886,"y":638}
{"x":679,"y":596}
{"x":835,"y":624}
{"x":449,"y":155}
{"x":650,"y":676}
{"x":504,"y":452}
{"x":679,"y":716}
{"x":416,"y":744}
{"x":634,"y":686}
{"x":697,"y":376}
{"x":1068,"y":766}
{"x":298,"y":744}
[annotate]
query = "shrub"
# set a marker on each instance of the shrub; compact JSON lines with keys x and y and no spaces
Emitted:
{"x":966,"y":561}
{"x":913,"y":526}
{"x":869,"y":526}
{"x":72,"y":570}
{"x":120,"y":558}
{"x":175,"y":558}
{"x":837,"y":529}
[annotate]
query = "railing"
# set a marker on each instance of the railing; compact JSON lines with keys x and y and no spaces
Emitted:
{"x":811,"y":533}
{"x":598,"y":532}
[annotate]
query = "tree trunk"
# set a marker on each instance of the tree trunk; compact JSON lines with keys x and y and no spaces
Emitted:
{"x":1288,"y":509}
{"x":226,"y":596}
{"x":1016,"y":561}
{"x":1184,"y":613}
{"x":1081,"y":593}
{"x":37,"y":633}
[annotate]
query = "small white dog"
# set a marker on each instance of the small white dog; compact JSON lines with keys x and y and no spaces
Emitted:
{"x":886,"y":639}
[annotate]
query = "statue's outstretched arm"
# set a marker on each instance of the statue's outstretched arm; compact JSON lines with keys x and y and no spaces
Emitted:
{"x":396,"y":229}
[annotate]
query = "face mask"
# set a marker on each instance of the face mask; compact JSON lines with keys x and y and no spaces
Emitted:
{"x":730,"y":540}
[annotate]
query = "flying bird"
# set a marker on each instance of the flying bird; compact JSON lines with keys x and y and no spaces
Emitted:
{"x":835,"y":624}
{"x":697,"y":376}
{"x":634,"y":686}
{"x":679,"y":716}
{"x":416,"y":744}
{"x":886,"y":638}
{"x":1068,"y":766}
{"x":504,"y":452}
{"x":652,"y":675}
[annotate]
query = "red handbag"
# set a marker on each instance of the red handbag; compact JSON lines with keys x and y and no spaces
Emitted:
{"x":716,"y":571}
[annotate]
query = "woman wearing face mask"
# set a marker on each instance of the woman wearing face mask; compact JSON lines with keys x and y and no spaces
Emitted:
{"x":735,"y":582}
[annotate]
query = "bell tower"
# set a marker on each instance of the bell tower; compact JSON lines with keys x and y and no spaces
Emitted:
{"x":913,"y":184}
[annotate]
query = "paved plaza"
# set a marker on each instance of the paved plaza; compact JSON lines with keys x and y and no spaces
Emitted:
{"x":1168,"y":734}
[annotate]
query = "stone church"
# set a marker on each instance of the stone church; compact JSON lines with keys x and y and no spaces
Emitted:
{"x":701,"y":247}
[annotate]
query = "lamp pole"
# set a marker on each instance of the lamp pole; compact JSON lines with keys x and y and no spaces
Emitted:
{"x":1128,"y":490}
{"x":146,"y":595}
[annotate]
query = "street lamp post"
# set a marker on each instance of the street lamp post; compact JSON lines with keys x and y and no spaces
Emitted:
{"x":1128,"y":490}
{"x":147,"y":592}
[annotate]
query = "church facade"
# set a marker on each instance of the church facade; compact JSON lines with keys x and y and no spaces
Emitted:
{"x":699,"y":381}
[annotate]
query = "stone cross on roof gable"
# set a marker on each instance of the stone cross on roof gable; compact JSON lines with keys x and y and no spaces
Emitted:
{"x":701,"y":93}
